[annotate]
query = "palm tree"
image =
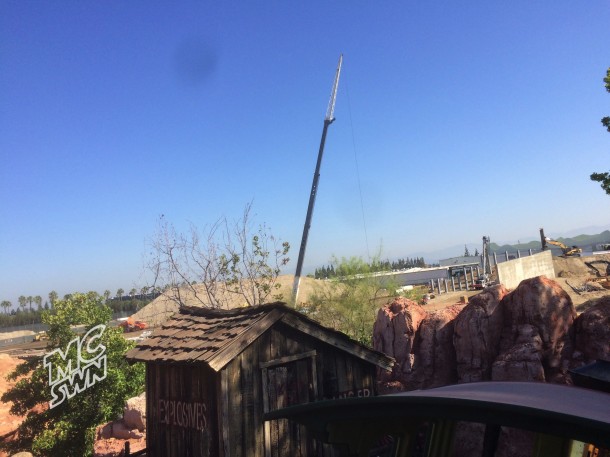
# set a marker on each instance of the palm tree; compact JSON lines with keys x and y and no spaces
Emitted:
{"x":132,"y":292}
{"x":107,"y":294}
{"x":144,"y":291}
{"x":52,"y":297}
{"x":38,"y":301}
{"x":22,"y":302}
{"x":6,"y":305}
{"x":30,"y":300}
{"x":120,"y":293}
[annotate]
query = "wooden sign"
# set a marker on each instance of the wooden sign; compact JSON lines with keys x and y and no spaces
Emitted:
{"x":183,"y":414}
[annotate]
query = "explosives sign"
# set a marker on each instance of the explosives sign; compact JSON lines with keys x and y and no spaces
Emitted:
{"x":183,"y":414}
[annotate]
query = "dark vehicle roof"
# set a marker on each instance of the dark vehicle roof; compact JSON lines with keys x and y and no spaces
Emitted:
{"x":580,"y":414}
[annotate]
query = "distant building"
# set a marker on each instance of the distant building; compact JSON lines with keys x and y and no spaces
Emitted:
{"x":469,"y":261}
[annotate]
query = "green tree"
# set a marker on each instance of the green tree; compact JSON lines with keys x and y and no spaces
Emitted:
{"x":604,"y":178}
{"x":466,"y":251}
{"x":30,"y":300}
{"x":68,"y":429}
{"x":23,"y":301}
{"x":53,"y":297}
{"x":120,"y":293}
{"x":349,"y":302}
{"x":107,"y":294}
{"x":6,"y":305}
{"x":133,"y":292}
{"x":38,"y":301}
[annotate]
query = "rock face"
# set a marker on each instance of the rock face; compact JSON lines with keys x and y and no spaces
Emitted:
{"x":593,"y":331}
{"x":435,"y":361}
{"x":476,"y":337}
{"x":528,"y":334}
{"x":524,"y":335}
{"x":394,"y":334}
{"x":537,"y":334}
{"x":134,"y":414}
{"x":111,"y":437}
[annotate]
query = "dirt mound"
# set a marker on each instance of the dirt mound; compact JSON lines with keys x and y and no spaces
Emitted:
{"x":162,"y":307}
{"x":574,"y":274}
{"x":571,"y":266}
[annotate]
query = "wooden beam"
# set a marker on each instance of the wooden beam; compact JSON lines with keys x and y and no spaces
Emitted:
{"x":380,"y":360}
{"x":290,"y":358}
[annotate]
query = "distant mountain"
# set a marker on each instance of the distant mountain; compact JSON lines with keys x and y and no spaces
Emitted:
{"x":587,"y":242}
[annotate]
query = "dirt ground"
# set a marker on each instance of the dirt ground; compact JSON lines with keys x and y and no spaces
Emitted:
{"x":571,"y":273}
{"x":8,"y":423}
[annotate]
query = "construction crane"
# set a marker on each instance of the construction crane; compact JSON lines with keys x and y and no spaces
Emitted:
{"x":484,"y":279}
{"x":328,"y":119}
{"x":486,"y":262}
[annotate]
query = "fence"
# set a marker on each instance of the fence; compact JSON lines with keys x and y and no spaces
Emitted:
{"x":39,"y":327}
{"x":464,"y":278}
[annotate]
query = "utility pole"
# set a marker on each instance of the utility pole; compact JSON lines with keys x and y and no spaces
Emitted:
{"x":486,"y":262}
{"x":329,"y":119}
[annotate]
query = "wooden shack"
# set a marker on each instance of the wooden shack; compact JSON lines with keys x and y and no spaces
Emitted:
{"x":211,"y":375}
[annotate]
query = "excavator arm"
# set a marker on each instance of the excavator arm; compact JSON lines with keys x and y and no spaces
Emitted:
{"x":567,"y":251}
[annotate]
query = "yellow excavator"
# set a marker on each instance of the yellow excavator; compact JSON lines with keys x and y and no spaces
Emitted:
{"x":567,"y":250}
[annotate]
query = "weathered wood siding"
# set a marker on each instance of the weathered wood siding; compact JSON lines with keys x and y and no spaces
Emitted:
{"x":181,"y":404}
{"x":281,"y":368}
{"x":195,"y":411}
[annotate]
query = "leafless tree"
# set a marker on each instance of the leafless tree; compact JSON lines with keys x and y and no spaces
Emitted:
{"x":223,"y":265}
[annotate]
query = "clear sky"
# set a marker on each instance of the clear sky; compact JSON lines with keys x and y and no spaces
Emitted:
{"x":463,"y":118}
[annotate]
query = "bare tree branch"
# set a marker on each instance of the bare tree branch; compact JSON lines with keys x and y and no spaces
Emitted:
{"x":214,"y":266}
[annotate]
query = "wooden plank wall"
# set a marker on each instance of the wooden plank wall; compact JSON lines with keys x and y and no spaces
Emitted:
{"x":235,"y":398}
{"x":181,"y":387}
{"x":337,"y":374}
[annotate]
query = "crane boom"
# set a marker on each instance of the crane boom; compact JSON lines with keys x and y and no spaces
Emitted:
{"x":328,"y":119}
{"x":333,"y":94}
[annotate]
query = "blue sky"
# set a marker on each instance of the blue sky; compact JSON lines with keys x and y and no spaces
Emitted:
{"x":463,"y":118}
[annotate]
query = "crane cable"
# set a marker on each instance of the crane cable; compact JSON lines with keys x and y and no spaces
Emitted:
{"x":351,"y":123}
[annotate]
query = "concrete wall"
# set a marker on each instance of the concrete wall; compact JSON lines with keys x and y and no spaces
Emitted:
{"x":511,"y":273}
{"x":414,"y":277}
{"x":456,"y":261}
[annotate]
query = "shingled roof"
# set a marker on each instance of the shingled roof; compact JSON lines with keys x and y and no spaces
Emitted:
{"x":215,"y":337}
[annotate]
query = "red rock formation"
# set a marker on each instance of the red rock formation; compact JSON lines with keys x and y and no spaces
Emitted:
{"x":394,"y":334}
{"x":477,"y":333}
{"x":593,"y":331}
{"x":537,"y":335}
{"x":529,"y":334}
{"x":434,"y":356}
